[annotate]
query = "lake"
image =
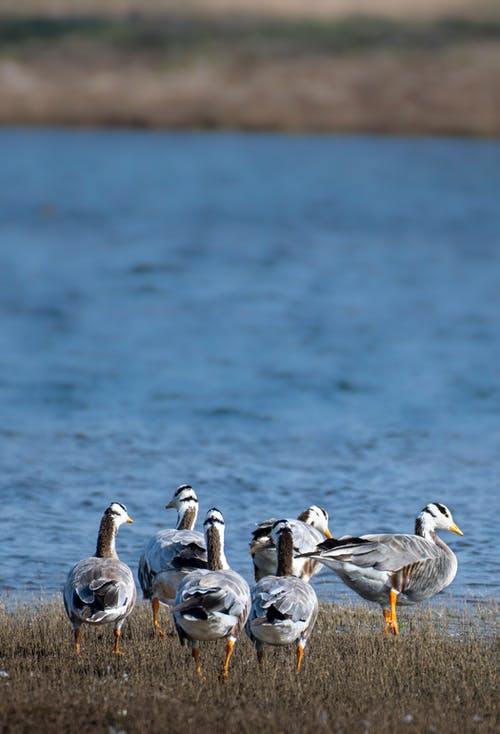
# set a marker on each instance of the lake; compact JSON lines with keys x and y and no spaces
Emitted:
{"x":277,"y":320}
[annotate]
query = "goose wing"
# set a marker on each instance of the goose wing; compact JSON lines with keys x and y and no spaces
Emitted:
{"x":283,"y":597}
{"x":263,"y":549}
{"x":213,"y":591}
{"x":171,"y":550}
{"x":382,"y":552}
{"x":305,"y":537}
{"x":99,"y":590}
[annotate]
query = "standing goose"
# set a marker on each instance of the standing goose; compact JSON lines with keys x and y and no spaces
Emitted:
{"x":391,"y":569}
{"x":308,"y":530}
{"x":213,"y":603}
{"x":171,"y":554}
{"x":284,"y":608}
{"x":101,"y":589}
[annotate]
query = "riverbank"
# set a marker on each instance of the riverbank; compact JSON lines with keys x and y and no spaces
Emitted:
{"x":438,"y":676}
{"x":175,"y":71}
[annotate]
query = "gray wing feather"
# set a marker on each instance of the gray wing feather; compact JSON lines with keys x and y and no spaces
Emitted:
{"x":263,"y":550}
{"x":171,"y":550}
{"x":290,"y":596}
{"x":386,"y":552}
{"x":99,"y":589}
{"x":214,"y":591}
{"x":415,"y":566}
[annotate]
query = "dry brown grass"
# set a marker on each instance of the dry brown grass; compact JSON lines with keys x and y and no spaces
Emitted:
{"x":438,"y":676}
{"x":352,"y":76}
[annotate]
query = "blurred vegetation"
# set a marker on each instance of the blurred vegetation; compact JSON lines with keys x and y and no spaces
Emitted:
{"x":440,"y":675}
{"x":189,"y":69}
{"x":138,"y":33}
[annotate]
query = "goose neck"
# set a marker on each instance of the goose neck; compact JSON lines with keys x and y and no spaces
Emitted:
{"x":216,"y":559}
{"x":285,"y":554}
{"x":187,"y":518}
{"x":106,"y":538}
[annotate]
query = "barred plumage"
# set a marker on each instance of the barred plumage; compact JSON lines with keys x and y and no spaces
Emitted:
{"x":308,"y":530}
{"x":212,"y":604}
{"x":172,"y":553}
{"x":284,"y":608}
{"x":389,"y":568}
{"x":101,"y":589}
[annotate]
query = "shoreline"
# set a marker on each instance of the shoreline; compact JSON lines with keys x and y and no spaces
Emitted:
{"x":359,"y":76}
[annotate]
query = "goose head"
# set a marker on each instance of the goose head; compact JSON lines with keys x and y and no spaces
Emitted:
{"x":317,"y":517}
{"x":280,"y":529}
{"x":185,"y":502}
{"x":118,"y":514}
{"x":435,"y":516}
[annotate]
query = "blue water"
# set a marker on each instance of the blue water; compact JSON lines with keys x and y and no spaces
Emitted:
{"x":277,"y":320}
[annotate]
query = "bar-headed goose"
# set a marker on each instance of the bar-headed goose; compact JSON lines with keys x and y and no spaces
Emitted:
{"x":284,"y":608}
{"x":391,"y":569}
{"x":101,"y":589}
{"x":171,"y":554}
{"x":308,"y":530}
{"x":212,"y":604}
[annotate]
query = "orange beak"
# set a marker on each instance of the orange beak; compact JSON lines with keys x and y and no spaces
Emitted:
{"x":328,"y":533}
{"x":455,"y":529}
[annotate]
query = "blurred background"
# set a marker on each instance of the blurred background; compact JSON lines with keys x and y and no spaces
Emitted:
{"x":197,"y":286}
{"x":391,"y":66}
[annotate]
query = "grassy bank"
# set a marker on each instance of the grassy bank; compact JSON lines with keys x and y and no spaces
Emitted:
{"x":438,"y":676}
{"x":362,"y":74}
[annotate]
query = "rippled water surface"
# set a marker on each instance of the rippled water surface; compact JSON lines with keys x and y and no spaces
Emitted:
{"x":279,"y":321}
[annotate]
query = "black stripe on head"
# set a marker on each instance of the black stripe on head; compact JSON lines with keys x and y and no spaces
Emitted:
{"x":211,"y":519}
{"x":182,"y":488}
{"x":113,"y":512}
{"x":441,"y":508}
{"x":277,"y":522}
{"x":429,"y":511}
{"x":190,"y":498}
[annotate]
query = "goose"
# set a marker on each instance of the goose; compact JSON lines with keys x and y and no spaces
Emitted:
{"x":284,"y":608}
{"x":308,"y":530}
{"x":390,"y":569}
{"x":212,"y":603}
{"x":101,"y":589}
{"x":171,"y":554}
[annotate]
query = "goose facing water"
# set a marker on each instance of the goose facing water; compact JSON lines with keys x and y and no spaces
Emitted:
{"x":390,"y":568}
{"x":212,"y":604}
{"x":172,"y":553}
{"x":308,"y":530}
{"x":284,"y":608}
{"x":101,"y":589}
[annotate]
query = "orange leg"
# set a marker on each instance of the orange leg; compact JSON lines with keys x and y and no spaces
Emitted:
{"x":300,"y":655}
{"x":156,"y":624}
{"x":391,"y":621}
{"x":116,"y":650}
{"x":196,"y":655}
{"x":229,"y":652}
{"x":387,"y":617}
{"x":78,"y":634}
